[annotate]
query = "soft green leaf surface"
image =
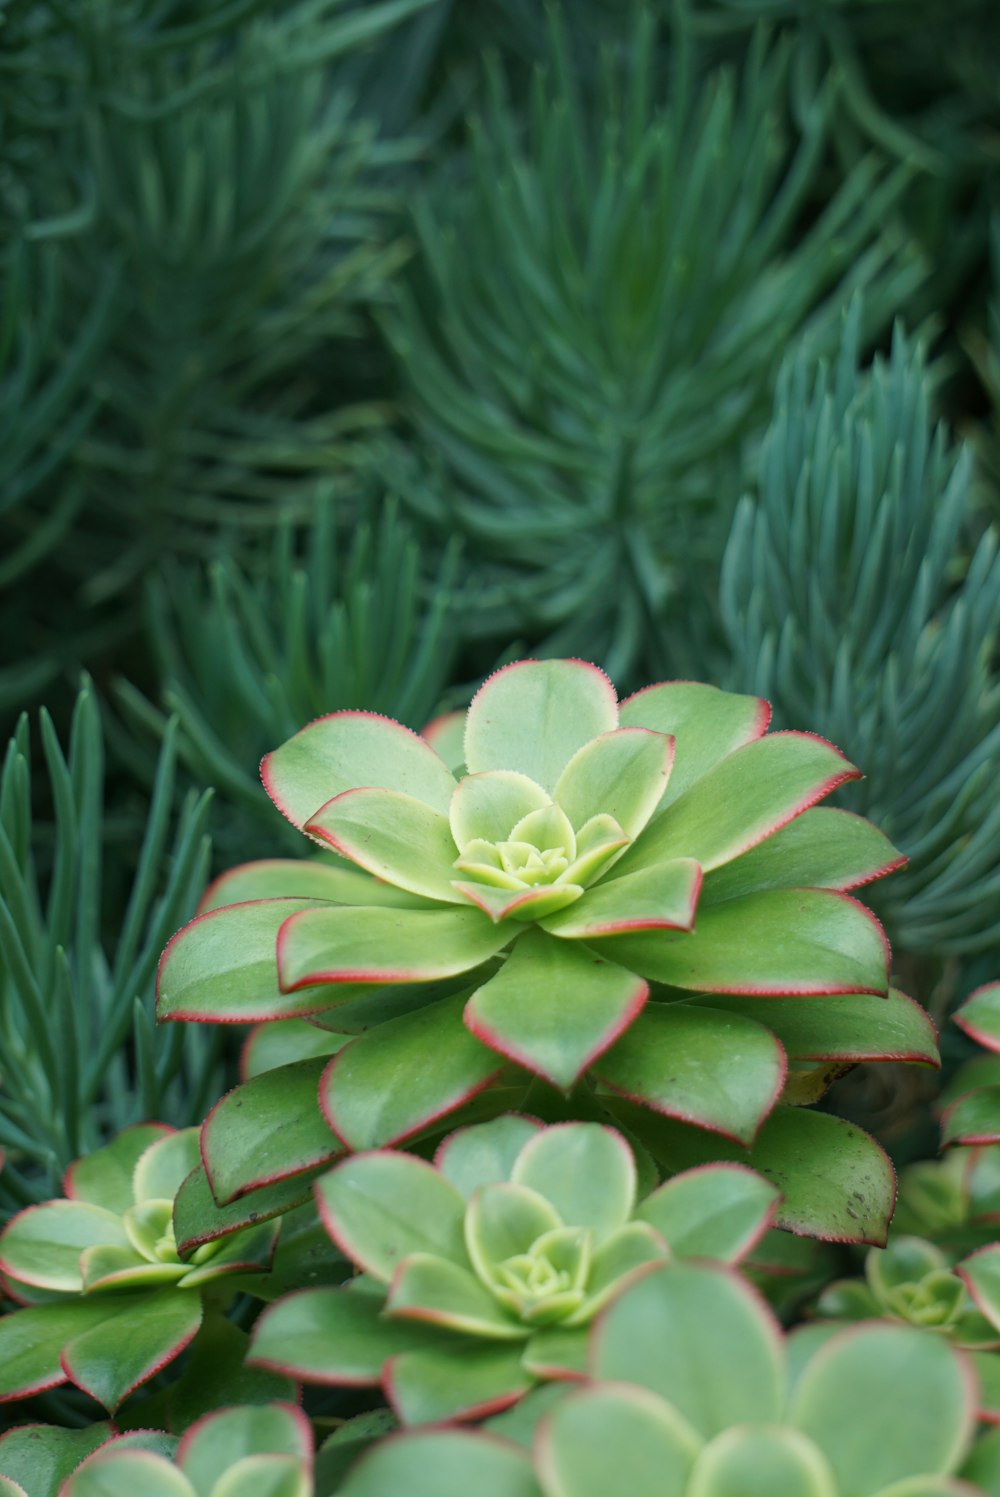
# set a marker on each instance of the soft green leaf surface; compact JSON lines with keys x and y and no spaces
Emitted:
{"x":979,"y":1016}
{"x":823,"y":848}
{"x":663,"y":896}
{"x":330,"y":944}
{"x":884,"y":1403}
{"x":266,"y":1476}
{"x":605,"y":1440}
{"x":131,"y":1342}
{"x":348,"y":750}
{"x":488,"y":806}
{"x":463,"y":1378}
{"x":10,"y":1488}
{"x":221,"y":1439}
{"x":566,"y":703}
{"x":743,"y":799}
{"x":42,"y":1245}
{"x":585,"y":1171}
{"x":707,"y":723}
{"x":284,"y":1041}
{"x":393,"y":836}
{"x":31,"y":1342}
{"x":484,"y":1154}
{"x":622,"y":774}
{"x":554,"y":1006}
{"x":614,"y":1263}
{"x":718,"y":1211}
{"x":162,"y":1169}
{"x":197,"y":1219}
{"x":388,"y":1085}
{"x":981,"y":1273}
{"x":974,"y":1118}
{"x":851,"y":1027}
{"x":332,"y":1336}
{"x":782,"y":942}
{"x":518,"y":904}
{"x":267,"y":1129}
{"x":383,"y":1206}
{"x":40,"y":1457}
{"x":126,"y":1473}
{"x":105,"y":1176}
{"x":701,"y":1339}
{"x":503,"y":1221}
{"x":719,"y":1071}
{"x":442,"y":1463}
{"x":444,"y":1294}
{"x":223,"y":966}
{"x":761,"y":1462}
{"x":298,"y":878}
{"x":837,"y":1183}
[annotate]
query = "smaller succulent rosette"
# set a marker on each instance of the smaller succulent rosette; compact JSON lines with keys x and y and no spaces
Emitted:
{"x":481,"y":1273}
{"x":695,"y":1392}
{"x":245,"y":1452}
{"x":108,"y":1298}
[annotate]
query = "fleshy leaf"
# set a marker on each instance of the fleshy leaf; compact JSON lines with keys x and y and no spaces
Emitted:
{"x":267,"y":1129}
{"x":622,"y":774}
{"x":124,"y":1473}
{"x":219,"y":1440}
{"x":31,"y":1342}
{"x":973,"y":1119}
{"x":718,"y":1071}
{"x":485,"y":1153}
{"x":335,"y":944}
{"x":442,"y":1463}
{"x":852,"y":1027}
{"x":381,"y":1207}
{"x":132,"y":1341}
{"x":429,"y":1288}
{"x":503,"y":1221}
{"x":197,"y":1218}
{"x":519,"y":904}
{"x":979,"y":1016}
{"x":105,"y":1177}
{"x":284,"y":1041}
{"x":554,"y":1007}
{"x":837,"y":1182}
{"x":661,"y":897}
{"x":585,"y":1171}
{"x":222,"y":967}
{"x":718,"y":1211}
{"x":616,"y":1439}
{"x":299,"y":878}
{"x":346,"y":751}
{"x":781,"y":943}
{"x":824,"y":848}
{"x":700,"y":1338}
{"x":981,"y":1272}
{"x":391,"y":1084}
{"x":395,"y":837}
{"x":707,"y":723}
{"x":337,"y":1336}
{"x":162,"y":1169}
{"x":41,"y":1457}
{"x":42,"y":1245}
{"x":925,"y":1427}
{"x":488,"y":806}
{"x":566,"y":702}
{"x":266,"y":1476}
{"x":615,"y":1263}
{"x":761,"y":1463}
{"x":465,"y":1380}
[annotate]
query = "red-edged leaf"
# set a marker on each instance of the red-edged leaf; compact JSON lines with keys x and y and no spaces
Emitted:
{"x":854,"y":1027}
{"x":973,"y":1119}
{"x":378,"y":947}
{"x":197,"y":1218}
{"x":663,"y":897}
{"x":824,"y":848}
{"x":134,"y":1341}
{"x":979,"y":1016}
{"x":708,"y":724}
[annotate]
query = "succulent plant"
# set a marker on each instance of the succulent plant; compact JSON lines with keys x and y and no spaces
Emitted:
{"x":108,"y":1299}
{"x":695,"y":1394}
{"x":914,"y":1281}
{"x":481,"y":1274}
{"x":604,"y":895}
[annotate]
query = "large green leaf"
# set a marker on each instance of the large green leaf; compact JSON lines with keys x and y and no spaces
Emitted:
{"x":485,"y":1153}
{"x":105,"y":1176}
{"x":42,"y":1245}
{"x":197,"y":1218}
{"x":283,"y":1041}
{"x":661,"y":897}
{"x":700,"y":1338}
{"x":31,"y":1342}
{"x":442,"y":1463}
{"x":335,"y":944}
{"x":885,"y":1403}
{"x":223,"y":968}
{"x":554,"y":1007}
{"x":605,"y":1440}
{"x":585,"y":1171}
{"x":486,"y":807}
{"x":534,"y":715}
{"x":973,"y":1119}
{"x":719,"y":1071}
{"x":337,"y":1336}
{"x":267,"y":1129}
{"x":395,"y":837}
{"x":852,"y":1027}
{"x":979,"y":1016}
{"x":719,"y":1211}
{"x":465,"y":1379}
{"x":429,"y":1288}
{"x":822,"y":849}
{"x":298,"y":878}
{"x":124,"y":1473}
{"x":708,"y":724}
{"x":762,"y":1463}
{"x":133,"y":1341}
{"x":348,"y":750}
{"x":40,"y":1457}
{"x":383,"y":1206}
{"x":746,"y":797}
{"x":390,"y":1084}
{"x":221,"y":1439}
{"x":784,"y":942}
{"x":837,"y":1183}
{"x":622,"y":774}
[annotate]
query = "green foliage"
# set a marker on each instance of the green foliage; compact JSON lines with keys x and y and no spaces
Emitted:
{"x":342,"y":614}
{"x":855,"y":599}
{"x":582,"y":372}
{"x":78,"y":1058}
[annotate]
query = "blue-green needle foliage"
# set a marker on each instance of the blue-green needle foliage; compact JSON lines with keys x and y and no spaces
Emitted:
{"x":597,"y":317}
{"x":854,"y":598}
{"x":78,"y":1059}
{"x":342,"y":613}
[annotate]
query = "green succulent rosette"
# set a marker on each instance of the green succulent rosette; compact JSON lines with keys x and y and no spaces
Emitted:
{"x":696,"y":1393}
{"x":482,"y":1272}
{"x":246,"y":1452}
{"x":641,"y":901}
{"x":108,"y":1300}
